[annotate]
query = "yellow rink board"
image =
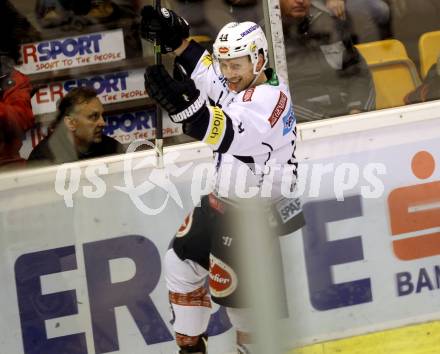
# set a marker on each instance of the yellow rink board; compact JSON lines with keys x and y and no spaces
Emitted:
{"x":417,"y":339}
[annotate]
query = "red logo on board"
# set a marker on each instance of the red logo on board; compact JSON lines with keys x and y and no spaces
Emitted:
{"x":415,"y":213}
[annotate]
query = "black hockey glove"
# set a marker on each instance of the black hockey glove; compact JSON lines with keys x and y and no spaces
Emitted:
{"x":181,"y":99}
{"x":166,"y":26}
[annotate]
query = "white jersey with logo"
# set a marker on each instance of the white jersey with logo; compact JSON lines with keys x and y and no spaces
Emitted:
{"x":252,"y":132}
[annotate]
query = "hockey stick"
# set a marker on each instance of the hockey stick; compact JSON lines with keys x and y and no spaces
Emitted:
{"x":158,"y":142}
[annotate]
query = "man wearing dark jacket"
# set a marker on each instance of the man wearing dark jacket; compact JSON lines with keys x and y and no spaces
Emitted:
{"x":78,"y":131}
{"x":328,"y":77}
{"x":429,"y":90}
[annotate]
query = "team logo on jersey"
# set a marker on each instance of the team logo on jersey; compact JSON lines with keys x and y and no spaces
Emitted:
{"x":222,"y":279}
{"x":247,"y":97}
{"x":223,"y":50}
{"x":186,"y":226}
{"x":278,"y":110}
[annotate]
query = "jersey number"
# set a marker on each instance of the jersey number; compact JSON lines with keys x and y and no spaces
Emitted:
{"x":223,"y":38}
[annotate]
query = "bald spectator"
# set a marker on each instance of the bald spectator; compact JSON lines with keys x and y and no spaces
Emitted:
{"x":78,"y":132}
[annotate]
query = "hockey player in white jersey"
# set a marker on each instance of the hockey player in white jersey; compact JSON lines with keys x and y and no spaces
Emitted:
{"x":231,"y":101}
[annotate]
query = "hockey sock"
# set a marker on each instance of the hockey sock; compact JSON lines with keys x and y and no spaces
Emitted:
{"x":192,"y":344}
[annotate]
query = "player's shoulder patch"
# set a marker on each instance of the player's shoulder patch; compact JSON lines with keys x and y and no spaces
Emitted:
{"x":207,"y":60}
{"x":279,"y":109}
{"x":289,"y":121}
{"x":247,"y":96}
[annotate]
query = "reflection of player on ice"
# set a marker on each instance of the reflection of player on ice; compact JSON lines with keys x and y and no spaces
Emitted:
{"x":243,"y":112}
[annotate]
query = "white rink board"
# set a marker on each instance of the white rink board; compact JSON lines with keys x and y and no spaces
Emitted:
{"x":344,"y":280}
{"x":36,"y":219}
{"x":340,"y":271}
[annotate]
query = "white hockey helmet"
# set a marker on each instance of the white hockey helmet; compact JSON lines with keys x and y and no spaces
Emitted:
{"x":240,"y":39}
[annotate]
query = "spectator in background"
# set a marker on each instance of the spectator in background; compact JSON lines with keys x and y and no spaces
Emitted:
{"x":75,"y":16}
{"x":410,"y":19}
{"x":16,"y":115}
{"x":208,"y":16}
{"x":429,"y":90}
{"x":15,"y":27}
{"x":78,"y":131}
{"x":328,"y":77}
{"x":52,"y":13}
{"x":371,"y":18}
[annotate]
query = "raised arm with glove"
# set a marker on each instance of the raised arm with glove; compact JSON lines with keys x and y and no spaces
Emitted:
{"x":164,"y":25}
{"x":181,"y":99}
